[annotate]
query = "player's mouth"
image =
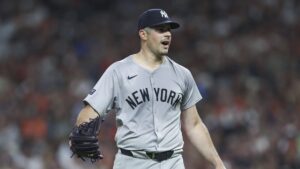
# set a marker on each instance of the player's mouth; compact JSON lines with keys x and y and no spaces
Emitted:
{"x":165,"y":43}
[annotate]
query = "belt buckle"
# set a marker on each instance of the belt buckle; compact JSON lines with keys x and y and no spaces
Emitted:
{"x":151,"y":155}
{"x":160,"y":156}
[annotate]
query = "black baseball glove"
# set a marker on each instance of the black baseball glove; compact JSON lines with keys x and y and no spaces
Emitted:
{"x":84,"y":140}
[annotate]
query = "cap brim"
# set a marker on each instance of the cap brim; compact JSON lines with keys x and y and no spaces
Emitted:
{"x":173,"y":25}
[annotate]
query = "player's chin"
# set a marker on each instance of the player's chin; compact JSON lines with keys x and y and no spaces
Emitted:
{"x":164,"y":51}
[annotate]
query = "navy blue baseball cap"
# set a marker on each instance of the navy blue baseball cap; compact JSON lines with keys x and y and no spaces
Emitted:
{"x":155,"y":17}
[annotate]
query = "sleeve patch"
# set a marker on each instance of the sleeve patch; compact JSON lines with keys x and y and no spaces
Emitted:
{"x":92,"y":92}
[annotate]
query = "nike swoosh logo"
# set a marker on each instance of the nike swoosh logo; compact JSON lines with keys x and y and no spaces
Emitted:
{"x":130,"y":77}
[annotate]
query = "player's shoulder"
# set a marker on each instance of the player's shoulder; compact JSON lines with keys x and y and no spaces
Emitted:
{"x":177,"y":67}
{"x":118,"y":65}
{"x":181,"y":71}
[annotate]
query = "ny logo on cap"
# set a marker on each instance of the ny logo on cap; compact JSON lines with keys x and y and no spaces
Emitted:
{"x":164,"y":14}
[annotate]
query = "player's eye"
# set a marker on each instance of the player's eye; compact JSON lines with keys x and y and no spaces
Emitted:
{"x":162,"y":29}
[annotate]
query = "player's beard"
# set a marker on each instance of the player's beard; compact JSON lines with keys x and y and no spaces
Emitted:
{"x":164,"y":50}
{"x":159,"y":49}
{"x":161,"y":52}
{"x":165,"y":46}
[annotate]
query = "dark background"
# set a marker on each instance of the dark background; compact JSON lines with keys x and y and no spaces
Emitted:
{"x":244,"y":55}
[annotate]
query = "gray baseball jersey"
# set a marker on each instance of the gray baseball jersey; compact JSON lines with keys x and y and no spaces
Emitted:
{"x":148,"y":104}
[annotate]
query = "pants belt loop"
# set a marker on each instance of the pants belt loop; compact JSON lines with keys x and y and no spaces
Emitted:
{"x":126,"y":152}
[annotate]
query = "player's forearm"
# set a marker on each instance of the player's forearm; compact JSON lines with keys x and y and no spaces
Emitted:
{"x":200,"y":138}
{"x":86,"y":114}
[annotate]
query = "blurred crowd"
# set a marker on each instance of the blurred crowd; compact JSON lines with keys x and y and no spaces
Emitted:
{"x":244,"y":55}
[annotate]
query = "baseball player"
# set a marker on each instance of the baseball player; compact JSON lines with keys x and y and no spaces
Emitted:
{"x":153,"y":97}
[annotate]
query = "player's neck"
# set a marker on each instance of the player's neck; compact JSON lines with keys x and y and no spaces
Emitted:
{"x":148,"y":60}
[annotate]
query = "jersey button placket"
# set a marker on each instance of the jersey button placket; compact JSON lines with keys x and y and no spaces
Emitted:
{"x":153,"y":109}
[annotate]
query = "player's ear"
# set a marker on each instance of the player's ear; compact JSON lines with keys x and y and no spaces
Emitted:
{"x":143,"y":34}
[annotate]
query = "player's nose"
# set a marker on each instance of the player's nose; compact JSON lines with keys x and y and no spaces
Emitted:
{"x":167,"y":34}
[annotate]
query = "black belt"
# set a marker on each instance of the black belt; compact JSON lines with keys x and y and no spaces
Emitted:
{"x":158,"y":156}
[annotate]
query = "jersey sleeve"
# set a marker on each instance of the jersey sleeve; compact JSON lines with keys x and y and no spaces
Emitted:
{"x":191,"y":94}
{"x":104,"y":94}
